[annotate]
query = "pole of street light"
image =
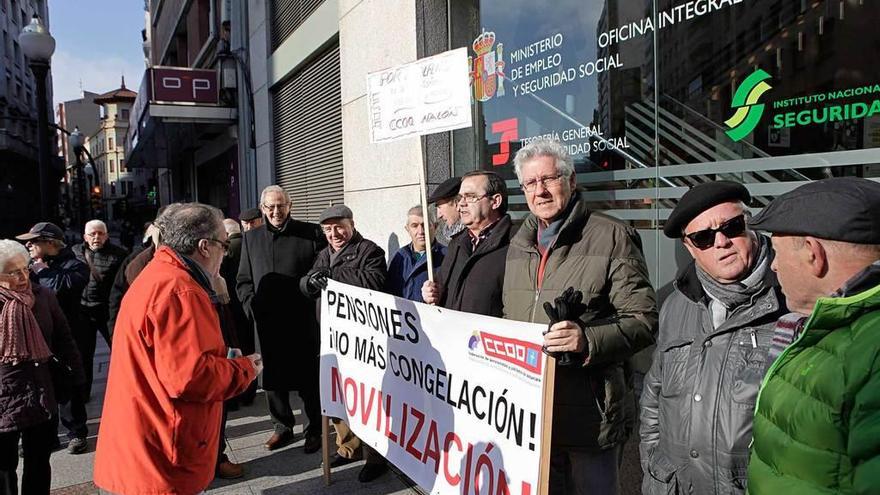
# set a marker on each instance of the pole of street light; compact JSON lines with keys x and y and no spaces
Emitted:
{"x":76,"y":141}
{"x":38,"y":46}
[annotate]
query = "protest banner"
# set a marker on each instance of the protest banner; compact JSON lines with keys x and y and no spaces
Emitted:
{"x":429,"y":95}
{"x":453,"y":399}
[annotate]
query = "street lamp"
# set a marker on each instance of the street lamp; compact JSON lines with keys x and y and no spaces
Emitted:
{"x":38,"y":46}
{"x":77,"y":140}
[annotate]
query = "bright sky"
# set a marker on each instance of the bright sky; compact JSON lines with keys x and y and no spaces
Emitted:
{"x":97,"y":41}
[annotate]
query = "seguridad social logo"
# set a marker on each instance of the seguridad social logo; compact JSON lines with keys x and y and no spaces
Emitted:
{"x":524,"y":355}
{"x":745,"y":101}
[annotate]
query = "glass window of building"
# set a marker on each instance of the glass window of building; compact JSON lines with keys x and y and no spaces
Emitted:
{"x":653,"y":97}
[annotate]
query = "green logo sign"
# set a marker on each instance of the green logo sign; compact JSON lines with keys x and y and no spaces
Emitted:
{"x":745,"y":101}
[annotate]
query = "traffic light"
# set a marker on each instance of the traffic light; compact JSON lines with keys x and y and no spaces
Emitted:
{"x":97,"y":201}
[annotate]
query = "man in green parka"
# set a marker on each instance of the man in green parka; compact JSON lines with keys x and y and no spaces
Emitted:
{"x":817,"y":420}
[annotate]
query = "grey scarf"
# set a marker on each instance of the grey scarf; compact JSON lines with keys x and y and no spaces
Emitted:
{"x":727,"y":297}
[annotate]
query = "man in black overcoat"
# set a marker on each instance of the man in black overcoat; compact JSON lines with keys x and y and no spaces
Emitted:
{"x":274,"y":256}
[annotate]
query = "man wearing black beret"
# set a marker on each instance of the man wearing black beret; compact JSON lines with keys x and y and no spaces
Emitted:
{"x":715,"y":333}
{"x":817,"y":424}
{"x":445,"y":197}
{"x":250,"y":219}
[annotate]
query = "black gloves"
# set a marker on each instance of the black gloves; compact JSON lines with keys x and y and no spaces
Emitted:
{"x":318,"y":280}
{"x":569,"y":306}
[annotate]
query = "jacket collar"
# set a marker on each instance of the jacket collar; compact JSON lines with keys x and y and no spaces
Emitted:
{"x":834,"y":312}
{"x":500,"y":232}
{"x":527,"y":236}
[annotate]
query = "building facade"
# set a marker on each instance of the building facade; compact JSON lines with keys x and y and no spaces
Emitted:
{"x":19,"y":191}
{"x":185,"y":121}
{"x":649,"y":97}
{"x":123,"y":190}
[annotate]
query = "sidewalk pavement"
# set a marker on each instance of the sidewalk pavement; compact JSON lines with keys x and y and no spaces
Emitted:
{"x":285,"y":471}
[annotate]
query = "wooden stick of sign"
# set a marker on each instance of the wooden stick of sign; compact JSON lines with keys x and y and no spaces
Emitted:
{"x":426,"y":220}
{"x":325,"y":448}
{"x":547,"y":426}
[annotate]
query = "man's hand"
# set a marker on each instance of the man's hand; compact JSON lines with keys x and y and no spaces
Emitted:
{"x":318,"y":281}
{"x":431,"y":292}
{"x":257,"y":361}
{"x":38,"y":265}
{"x":565,"y":336}
{"x":220,"y":289}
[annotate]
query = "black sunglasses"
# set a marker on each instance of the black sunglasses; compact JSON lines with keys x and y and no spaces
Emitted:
{"x":704,"y":239}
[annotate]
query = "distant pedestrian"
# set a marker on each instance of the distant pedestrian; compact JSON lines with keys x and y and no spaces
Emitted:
{"x":33,"y":332}
{"x":250,"y":219}
{"x":169,"y":372}
{"x":408,"y":269}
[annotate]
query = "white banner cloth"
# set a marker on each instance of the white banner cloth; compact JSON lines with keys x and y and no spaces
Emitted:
{"x":452,"y":399}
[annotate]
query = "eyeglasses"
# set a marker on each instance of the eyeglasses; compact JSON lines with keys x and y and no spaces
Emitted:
{"x":225,"y":244}
{"x":20,"y":273}
{"x":279,"y":206}
{"x":95,"y":234}
{"x":704,"y":239}
{"x":531,"y":184}
{"x":470,"y":198}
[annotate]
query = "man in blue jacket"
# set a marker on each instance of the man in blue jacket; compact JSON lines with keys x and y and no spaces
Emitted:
{"x":409,"y":267}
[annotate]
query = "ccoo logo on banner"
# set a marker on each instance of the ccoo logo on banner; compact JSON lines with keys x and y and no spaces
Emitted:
{"x":452,"y":399}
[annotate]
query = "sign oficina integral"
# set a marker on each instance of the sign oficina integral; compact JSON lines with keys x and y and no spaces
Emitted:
{"x":454,"y":400}
{"x":426,"y":96}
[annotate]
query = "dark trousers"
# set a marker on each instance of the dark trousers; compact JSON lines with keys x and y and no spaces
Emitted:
{"x":221,"y":449}
{"x":577,"y":472}
{"x":92,"y":320}
{"x":74,"y":416}
{"x":282,"y":414}
{"x":36,"y":476}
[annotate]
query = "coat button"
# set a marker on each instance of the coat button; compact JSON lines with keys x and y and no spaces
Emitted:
{"x":698,"y":397}
{"x":695,"y":454}
{"x":707,"y":343}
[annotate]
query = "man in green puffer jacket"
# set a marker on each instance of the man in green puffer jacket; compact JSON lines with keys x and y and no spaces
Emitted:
{"x":817,"y":420}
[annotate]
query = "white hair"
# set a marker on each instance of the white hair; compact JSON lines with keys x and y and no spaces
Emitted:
{"x":544,"y":147}
{"x":231,"y":226}
{"x":96,"y":224}
{"x":417,"y":211}
{"x":273,"y":189}
{"x":10,"y":249}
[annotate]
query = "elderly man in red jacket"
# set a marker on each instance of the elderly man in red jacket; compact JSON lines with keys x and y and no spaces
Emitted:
{"x":169,"y":372}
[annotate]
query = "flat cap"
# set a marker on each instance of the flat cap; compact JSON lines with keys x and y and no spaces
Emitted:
{"x":699,"y":199}
{"x":250,"y":214}
{"x":44,"y":230}
{"x":447,"y":189}
{"x":335,"y":211}
{"x":843,"y":209}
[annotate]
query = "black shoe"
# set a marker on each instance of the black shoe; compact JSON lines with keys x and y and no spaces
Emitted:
{"x":372,"y":471}
{"x":339,"y":461}
{"x":312,"y":443}
{"x":77,"y":446}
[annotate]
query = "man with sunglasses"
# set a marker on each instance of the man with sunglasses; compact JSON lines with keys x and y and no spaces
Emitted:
{"x":274,"y":256}
{"x":716,"y":329}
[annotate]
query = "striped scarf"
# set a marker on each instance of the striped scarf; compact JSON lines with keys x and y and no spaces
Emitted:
{"x":787,"y":329}
{"x":20,"y":336}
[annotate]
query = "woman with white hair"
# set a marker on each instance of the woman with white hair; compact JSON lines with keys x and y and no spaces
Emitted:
{"x":34,"y":337}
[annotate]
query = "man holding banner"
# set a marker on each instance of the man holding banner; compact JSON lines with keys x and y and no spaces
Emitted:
{"x":472,"y":272}
{"x":563,"y":244}
{"x":350,"y":259}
